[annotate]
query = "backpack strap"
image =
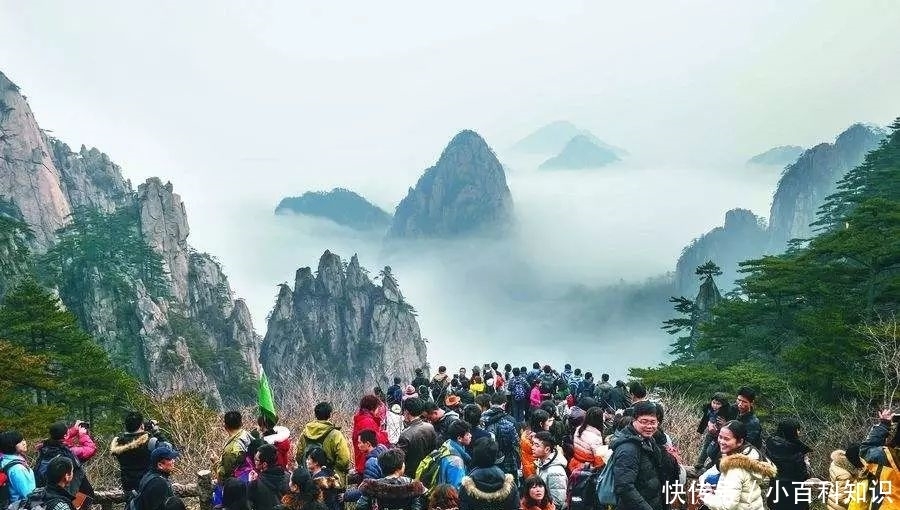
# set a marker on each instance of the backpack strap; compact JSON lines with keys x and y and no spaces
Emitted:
{"x":11,"y":464}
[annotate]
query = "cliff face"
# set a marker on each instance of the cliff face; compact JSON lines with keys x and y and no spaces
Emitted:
{"x":806,"y":183}
{"x":342,"y":323}
{"x":781,"y":155}
{"x":29,"y":177}
{"x":742,"y":237}
{"x":464,"y":193}
{"x":194,"y":336}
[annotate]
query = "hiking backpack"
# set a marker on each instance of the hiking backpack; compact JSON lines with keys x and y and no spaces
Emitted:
{"x":134,"y":502}
{"x":316,"y":443}
{"x":37,"y":500}
{"x":503,"y":431}
{"x":606,"y":484}
{"x":517,"y":386}
{"x":5,"y":494}
{"x":548,"y":382}
{"x":429,"y":468}
{"x":583,"y":489}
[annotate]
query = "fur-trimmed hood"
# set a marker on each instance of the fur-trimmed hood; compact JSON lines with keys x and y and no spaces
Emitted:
{"x":399,"y":487}
{"x":839,"y":457}
{"x":478,"y":489}
{"x":127,"y":442}
{"x":748,"y":460}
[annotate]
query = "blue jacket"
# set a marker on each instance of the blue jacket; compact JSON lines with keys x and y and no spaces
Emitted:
{"x":373,"y":470}
{"x":453,"y":467}
{"x":21,"y":478}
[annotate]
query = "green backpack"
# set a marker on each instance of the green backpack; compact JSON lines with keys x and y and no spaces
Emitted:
{"x":427,"y":470}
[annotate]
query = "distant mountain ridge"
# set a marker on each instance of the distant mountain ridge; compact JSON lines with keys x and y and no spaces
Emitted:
{"x":464,"y":193}
{"x":553,"y":138}
{"x":781,"y":156}
{"x":339,"y":205}
{"x":580,"y":153}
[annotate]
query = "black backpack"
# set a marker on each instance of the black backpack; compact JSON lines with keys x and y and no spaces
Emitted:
{"x":582,"y":494}
{"x":5,"y":495}
{"x":37,"y":500}
{"x":135,"y":502}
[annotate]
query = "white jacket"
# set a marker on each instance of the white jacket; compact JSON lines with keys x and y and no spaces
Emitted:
{"x":740,"y":485}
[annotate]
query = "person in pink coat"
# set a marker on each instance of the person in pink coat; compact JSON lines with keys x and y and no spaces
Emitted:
{"x":535,"y":396}
{"x":79,"y":442}
{"x":364,"y":419}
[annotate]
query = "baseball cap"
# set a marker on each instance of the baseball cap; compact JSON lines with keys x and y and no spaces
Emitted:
{"x":163,"y":452}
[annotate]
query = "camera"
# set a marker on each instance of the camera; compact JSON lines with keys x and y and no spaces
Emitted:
{"x":150,"y":426}
{"x":895,"y":418}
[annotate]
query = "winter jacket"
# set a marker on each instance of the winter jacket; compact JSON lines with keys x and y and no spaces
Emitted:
{"x":394,"y":394}
{"x":754,"y":429}
{"x":416,"y":441}
{"x":588,"y":449}
{"x":442,"y":425}
{"x":233,"y":454}
{"x":266,"y":491}
{"x":741,"y":481}
{"x":21,"y":477}
{"x":362,"y":420}
{"x":295,"y":501}
{"x":502,"y":427}
{"x":534,"y":398}
{"x":391,"y":493}
{"x":524,"y":505}
{"x":132,"y":451}
{"x":51,"y":448}
{"x":477,"y":388}
{"x":788,"y":456}
{"x":394,"y":427}
{"x":333,"y":442}
{"x":637,"y":465}
{"x":708,"y":415}
{"x":329,"y":485}
{"x":157,"y":490}
{"x":552,"y":471}
{"x":618,"y":398}
{"x":574,"y":383}
{"x":454,"y":467}
{"x":488,"y":489}
{"x":372,"y":470}
{"x":58,"y":498}
{"x":280,"y":438}
{"x":80,"y":443}
{"x":528,"y":466}
{"x":846,"y":479}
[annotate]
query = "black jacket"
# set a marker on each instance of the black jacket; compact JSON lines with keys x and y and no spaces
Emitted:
{"x":637,"y":466}
{"x":754,"y":428}
{"x":265,"y":492}
{"x":391,"y":493}
{"x":726,"y":412}
{"x":157,"y":489}
{"x":417,"y":440}
{"x":788,"y":457}
{"x":58,"y":498}
{"x":488,"y":489}
{"x":51,"y":448}
{"x":132,"y":450}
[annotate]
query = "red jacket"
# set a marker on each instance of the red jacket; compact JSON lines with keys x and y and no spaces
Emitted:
{"x":363,"y":420}
{"x":80,"y":443}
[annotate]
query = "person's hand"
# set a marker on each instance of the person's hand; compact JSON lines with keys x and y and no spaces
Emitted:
{"x":213,"y":457}
{"x":82,"y":430}
{"x":885,"y":415}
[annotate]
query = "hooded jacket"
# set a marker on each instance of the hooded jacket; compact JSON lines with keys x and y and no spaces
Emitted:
{"x":132,"y":451}
{"x":741,"y":481}
{"x":637,"y":465}
{"x":394,"y":493}
{"x":488,"y":489}
{"x":453,"y":467}
{"x":333,"y":442}
{"x":588,"y":448}
{"x":553,"y":472}
{"x":233,"y":454}
{"x":504,"y":432}
{"x":280,"y":438}
{"x":80,"y":443}
{"x":51,"y":448}
{"x":372,"y":469}
{"x":846,"y":479}
{"x":363,"y":420}
{"x":21,"y":477}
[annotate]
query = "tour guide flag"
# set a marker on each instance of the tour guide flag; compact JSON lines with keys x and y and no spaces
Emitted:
{"x":266,"y":401}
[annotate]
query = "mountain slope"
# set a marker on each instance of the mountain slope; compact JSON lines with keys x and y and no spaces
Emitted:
{"x":339,"y":205}
{"x":580,"y":153}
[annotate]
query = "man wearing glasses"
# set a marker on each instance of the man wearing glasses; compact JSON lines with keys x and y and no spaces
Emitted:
{"x":637,"y":462}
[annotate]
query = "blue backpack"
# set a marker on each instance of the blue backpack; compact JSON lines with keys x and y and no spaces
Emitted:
{"x":606,"y":484}
{"x":518,"y":388}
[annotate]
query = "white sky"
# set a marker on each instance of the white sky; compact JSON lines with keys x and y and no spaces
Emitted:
{"x":241,"y":103}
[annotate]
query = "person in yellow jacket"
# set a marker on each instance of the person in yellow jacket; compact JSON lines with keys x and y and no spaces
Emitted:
{"x":235,"y":448}
{"x":323,"y":433}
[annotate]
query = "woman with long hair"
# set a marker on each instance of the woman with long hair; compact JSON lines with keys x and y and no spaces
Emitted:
{"x":303,"y":494}
{"x":535,"y":495}
{"x":743,"y":470}
{"x":589,"y":450}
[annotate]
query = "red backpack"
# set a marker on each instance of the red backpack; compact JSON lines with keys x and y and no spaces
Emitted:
{"x":4,"y":482}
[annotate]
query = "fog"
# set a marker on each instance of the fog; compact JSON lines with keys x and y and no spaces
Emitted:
{"x":242,"y":104}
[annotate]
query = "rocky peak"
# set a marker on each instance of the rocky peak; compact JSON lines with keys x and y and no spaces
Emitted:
{"x":30,"y":178}
{"x":89,"y":178}
{"x":343,"y":325}
{"x":464,"y":193}
{"x":165,"y":228}
{"x":807,"y":182}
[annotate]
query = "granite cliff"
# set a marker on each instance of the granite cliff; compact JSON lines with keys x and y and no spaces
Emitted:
{"x":187,"y":334}
{"x":342,"y":323}
{"x":464,"y":193}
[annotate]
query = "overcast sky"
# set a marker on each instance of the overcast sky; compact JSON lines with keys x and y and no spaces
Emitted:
{"x":245,"y":102}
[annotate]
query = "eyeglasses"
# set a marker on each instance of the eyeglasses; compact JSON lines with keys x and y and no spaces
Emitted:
{"x":647,"y":423}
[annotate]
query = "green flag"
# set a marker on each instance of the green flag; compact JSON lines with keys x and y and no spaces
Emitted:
{"x":266,"y":400}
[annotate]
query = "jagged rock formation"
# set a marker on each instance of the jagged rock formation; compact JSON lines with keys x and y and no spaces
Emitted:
{"x":552,"y":138}
{"x":29,"y":177}
{"x":806,"y":183}
{"x":580,"y":153}
{"x":707,"y":298}
{"x":742,"y":237}
{"x":781,"y":156}
{"x":196,"y":336}
{"x":342,"y":323}
{"x":339,"y":205}
{"x":464,"y":193}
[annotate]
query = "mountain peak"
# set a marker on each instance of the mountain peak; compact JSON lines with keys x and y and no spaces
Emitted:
{"x":581,"y":152}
